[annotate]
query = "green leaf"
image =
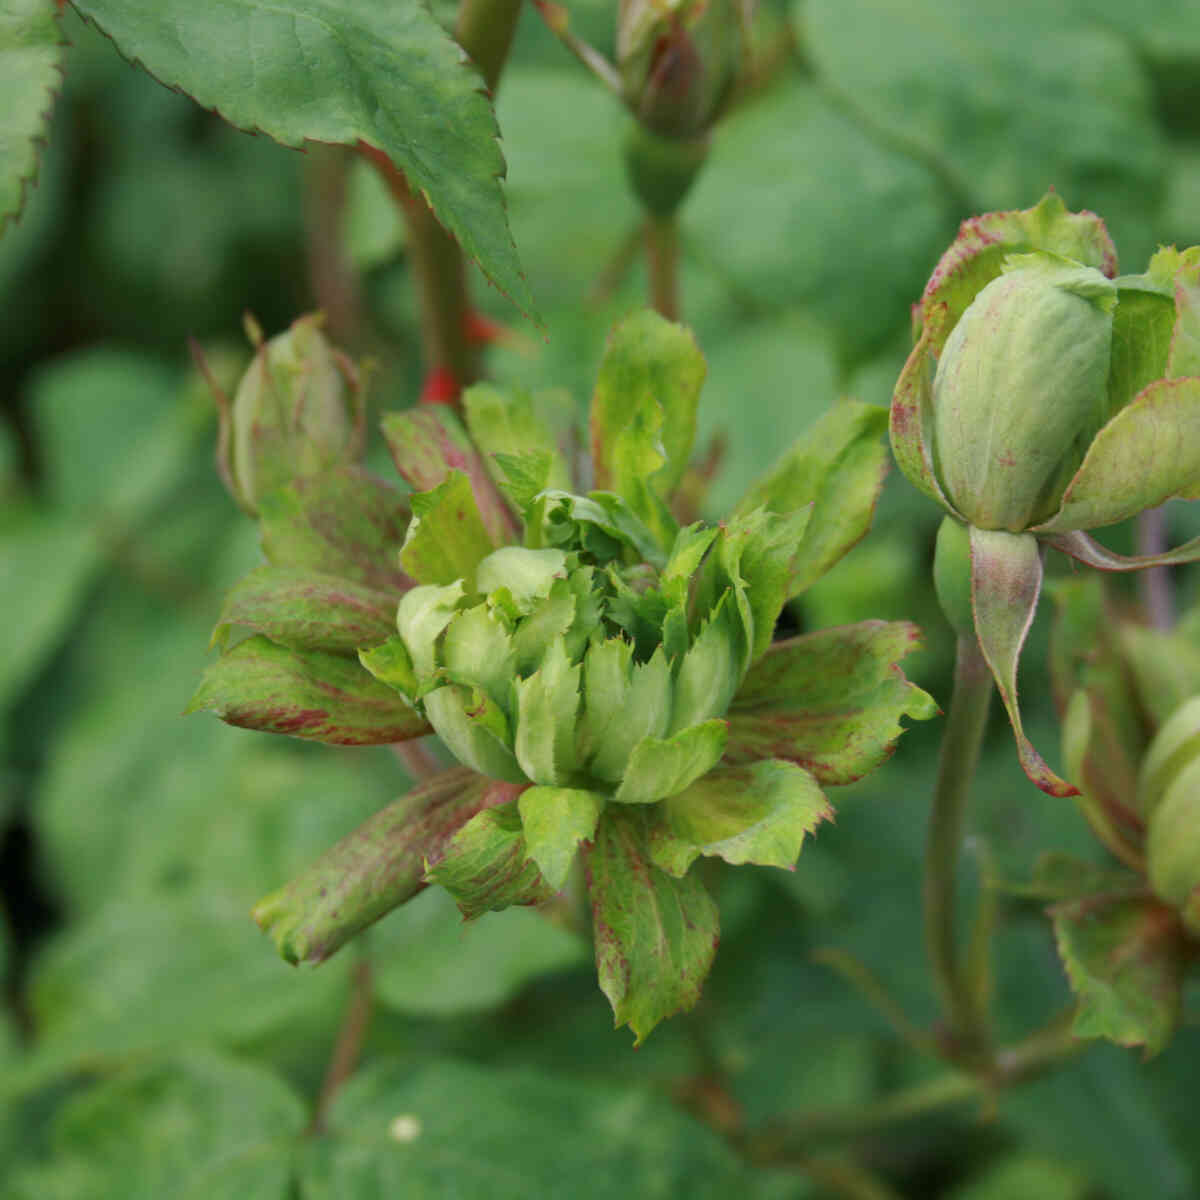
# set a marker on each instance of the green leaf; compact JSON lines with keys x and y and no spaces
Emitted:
{"x":643,"y":419}
{"x":656,"y":936}
{"x":477,"y":651}
{"x":391,"y":663}
{"x":306,"y":610}
{"x":485,"y":866}
{"x":837,"y":467}
{"x":663,"y":767}
{"x":1124,"y":958}
{"x":306,"y":693}
{"x":527,"y":575}
{"x":426,"y":961}
{"x":344,"y":522}
{"x":1006,"y":580}
{"x":100,"y":994}
{"x":345,"y":72}
{"x":30,"y":74}
{"x":373,"y":869}
{"x":571,"y":520}
{"x":755,"y":814}
{"x":458,"y":1129}
{"x":505,"y":421}
{"x":422,"y":615}
{"x":997,"y":109}
{"x":711,"y":671}
{"x":555,"y":821}
{"x":447,"y":539}
{"x":1058,"y":876}
{"x":429,"y":442}
{"x":829,"y":701}
{"x":193,"y":1125}
{"x":1148,"y":452}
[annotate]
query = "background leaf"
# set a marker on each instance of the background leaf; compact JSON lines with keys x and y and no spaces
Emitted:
{"x":340,"y":71}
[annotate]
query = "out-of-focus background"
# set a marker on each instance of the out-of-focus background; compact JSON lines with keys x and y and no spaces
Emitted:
{"x":154,"y":1043}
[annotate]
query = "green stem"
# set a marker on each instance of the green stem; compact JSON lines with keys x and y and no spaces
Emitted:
{"x":330,"y":275}
{"x":1158,"y":603}
{"x":349,"y":1044}
{"x":662,"y":259}
{"x":960,"y":756}
{"x":485,"y":31}
{"x":789,"y":1140}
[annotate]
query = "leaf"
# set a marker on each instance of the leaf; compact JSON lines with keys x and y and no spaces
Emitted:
{"x":829,"y":701}
{"x":344,"y":522}
{"x":555,"y":821}
{"x":1124,"y":959}
{"x":1059,"y":876}
{"x":146,"y":975}
{"x":485,"y":866}
{"x":30,"y":74}
{"x":838,"y":467}
{"x":426,"y":961}
{"x":1142,"y":325}
{"x":661,"y":767}
{"x":476,"y":730}
{"x":1006,"y":580}
{"x":1148,"y":452}
{"x":372,"y":870}
{"x":656,"y":936}
{"x":447,"y":539}
{"x":307,"y":610}
{"x":1185,"y":338}
{"x":306,"y":693}
{"x":193,"y":1125}
{"x":459,"y":1129}
{"x":570,"y":520}
{"x":755,"y":814}
{"x":624,"y":702}
{"x":643,"y":416}
{"x":428,"y":443}
{"x":505,"y":421}
{"x":1087,"y":550}
{"x":345,"y":72}
{"x":997,"y":109}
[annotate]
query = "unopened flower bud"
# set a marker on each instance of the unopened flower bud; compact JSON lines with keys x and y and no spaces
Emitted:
{"x":1021,"y":390}
{"x":296,"y":412}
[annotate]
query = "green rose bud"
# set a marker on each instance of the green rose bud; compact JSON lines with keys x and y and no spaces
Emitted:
{"x":678,"y":61}
{"x":1044,"y":398}
{"x":297,"y":411}
{"x":1021,"y":390}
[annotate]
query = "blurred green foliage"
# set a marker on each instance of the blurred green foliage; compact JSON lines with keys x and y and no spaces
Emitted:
{"x":152,"y":1044}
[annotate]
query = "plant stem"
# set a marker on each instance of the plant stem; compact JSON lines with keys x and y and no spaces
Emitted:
{"x":331,"y":278}
{"x":1155,"y":582}
{"x":348,"y":1046}
{"x":418,"y":760}
{"x":790,"y":1139}
{"x":959,"y":757}
{"x":485,"y":31}
{"x":662,"y":259}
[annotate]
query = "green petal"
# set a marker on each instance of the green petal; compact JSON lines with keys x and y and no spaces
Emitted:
{"x":1184,"y":357}
{"x":556,"y":820}
{"x":547,"y":704}
{"x":477,"y":651}
{"x":485,"y":866}
{"x":422,"y":615}
{"x":830,"y":701}
{"x":643,"y":418}
{"x":659,"y":768}
{"x":754,"y":814}
{"x":447,"y":539}
{"x":1006,"y":579}
{"x":475,"y":731}
{"x":624,"y":703}
{"x":528,"y":575}
{"x":1148,"y":452}
{"x":656,"y":936}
